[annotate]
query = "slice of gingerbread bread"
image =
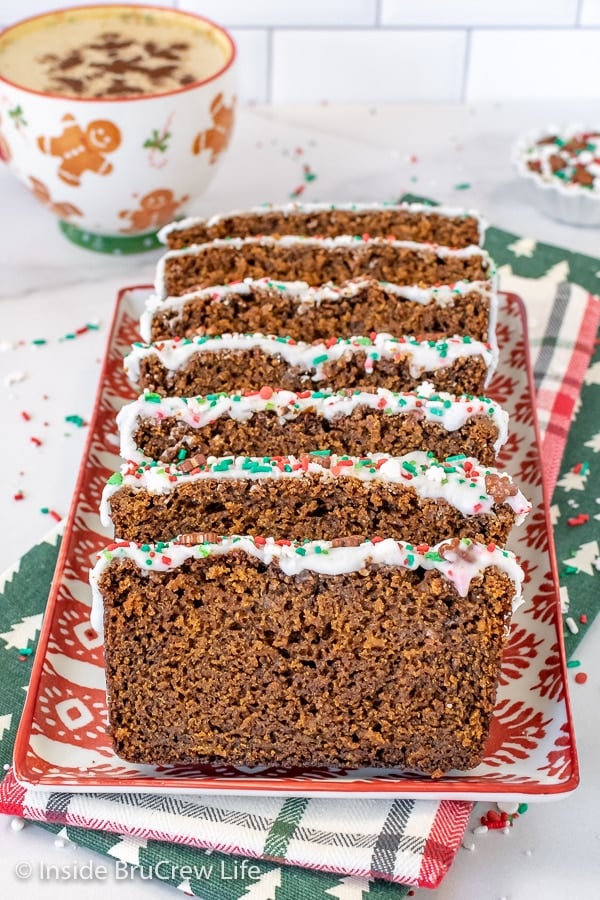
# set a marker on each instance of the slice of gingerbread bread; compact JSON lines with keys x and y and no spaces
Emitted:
{"x":318,"y":496}
{"x":207,"y":364}
{"x":271,"y":422}
{"x":246,"y":652}
{"x":404,"y":221}
{"x":308,"y":314}
{"x":318,"y":261}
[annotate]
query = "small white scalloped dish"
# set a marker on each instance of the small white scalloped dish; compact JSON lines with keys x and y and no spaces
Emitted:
{"x":570,"y":203}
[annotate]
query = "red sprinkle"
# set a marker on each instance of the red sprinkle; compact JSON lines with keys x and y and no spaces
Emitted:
{"x":25,"y":415}
{"x":36,"y":441}
{"x":581,"y":519}
{"x":54,"y":515}
{"x":581,"y":678}
{"x":266,"y":392}
{"x":19,"y":496}
{"x":583,"y":619}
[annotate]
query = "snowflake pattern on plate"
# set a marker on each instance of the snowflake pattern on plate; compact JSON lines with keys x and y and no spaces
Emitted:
{"x":62,"y":741}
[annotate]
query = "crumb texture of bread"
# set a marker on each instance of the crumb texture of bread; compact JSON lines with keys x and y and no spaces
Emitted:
{"x":363,"y":431}
{"x":373,"y":308}
{"x":403,"y":224}
{"x":252,"y":369}
{"x":308,"y":508}
{"x":303,"y":261}
{"x":381,"y":667}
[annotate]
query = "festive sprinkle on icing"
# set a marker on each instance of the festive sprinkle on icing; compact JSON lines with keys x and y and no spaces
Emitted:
{"x":473,"y":489}
{"x":422,"y":356}
{"x":460,"y":561}
{"x":419,"y":209}
{"x":307,"y":297}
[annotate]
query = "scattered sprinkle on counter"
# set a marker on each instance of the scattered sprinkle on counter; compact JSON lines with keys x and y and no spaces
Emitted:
{"x":76,"y":420}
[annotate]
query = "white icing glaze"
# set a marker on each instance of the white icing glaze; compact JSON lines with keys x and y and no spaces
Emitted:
{"x":196,"y":412}
{"x":458,"y":565}
{"x":306,"y":296}
{"x":423,"y":356}
{"x":287,"y":209}
{"x":459,"y":481}
{"x":323,"y":243}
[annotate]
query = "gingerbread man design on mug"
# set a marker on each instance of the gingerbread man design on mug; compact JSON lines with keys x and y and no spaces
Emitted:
{"x":81,"y":150}
{"x":216,"y":139}
{"x":155,"y":209}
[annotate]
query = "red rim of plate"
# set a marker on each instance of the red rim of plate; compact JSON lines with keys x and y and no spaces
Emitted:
{"x":451,"y":789}
{"x":124,"y":6}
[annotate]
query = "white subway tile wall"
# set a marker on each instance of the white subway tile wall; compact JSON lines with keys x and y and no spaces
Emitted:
{"x":376,"y":65}
{"x":478,"y":13}
{"x":590,"y":12}
{"x":382,"y":51}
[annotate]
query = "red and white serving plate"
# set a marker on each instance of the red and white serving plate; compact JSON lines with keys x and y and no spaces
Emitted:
{"x":62,"y":742}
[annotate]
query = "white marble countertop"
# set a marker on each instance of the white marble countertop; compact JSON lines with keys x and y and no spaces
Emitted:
{"x":50,"y":289}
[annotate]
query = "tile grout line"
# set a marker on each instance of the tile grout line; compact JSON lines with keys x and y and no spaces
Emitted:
{"x":578,"y":12}
{"x":378,"y":5}
{"x":383,"y":29}
{"x":269,"y":72}
{"x":466,"y":65}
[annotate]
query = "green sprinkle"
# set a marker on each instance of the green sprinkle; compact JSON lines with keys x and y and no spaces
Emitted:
{"x":76,"y":420}
{"x":300,"y":551}
{"x":182,"y":453}
{"x":434,"y":555}
{"x":115,"y":478}
{"x":39,"y":342}
{"x":320,"y":453}
{"x":523,"y":807}
{"x":570,"y":570}
{"x":26,"y":651}
{"x":573,"y":664}
{"x":152,"y":398}
{"x":456,"y":458}
{"x":320,"y":359}
{"x":463,"y":186}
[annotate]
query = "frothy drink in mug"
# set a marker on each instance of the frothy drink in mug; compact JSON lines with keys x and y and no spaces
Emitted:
{"x":112,"y":53}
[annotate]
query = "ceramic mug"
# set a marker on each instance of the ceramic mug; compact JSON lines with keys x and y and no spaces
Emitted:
{"x":114,"y":170}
